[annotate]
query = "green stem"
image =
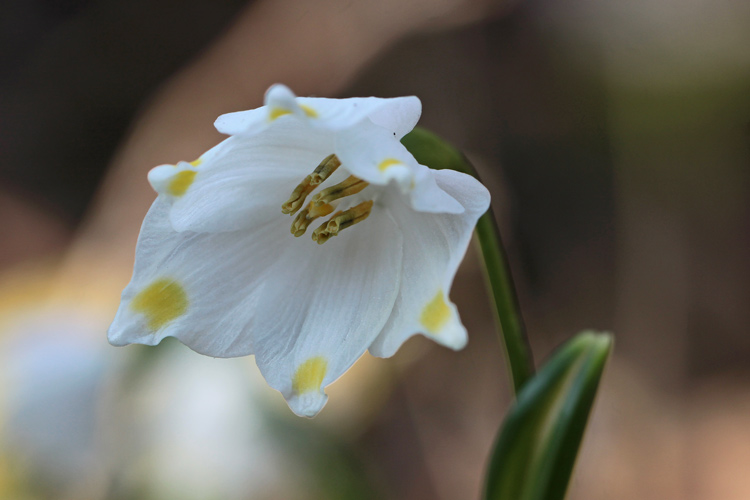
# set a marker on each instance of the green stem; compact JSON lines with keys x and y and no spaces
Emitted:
{"x":507,"y":309}
{"x":432,"y":151}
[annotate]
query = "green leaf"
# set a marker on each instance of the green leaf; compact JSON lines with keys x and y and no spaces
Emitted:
{"x":534,"y":454}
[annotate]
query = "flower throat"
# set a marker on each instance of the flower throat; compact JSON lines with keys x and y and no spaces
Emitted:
{"x":322,"y":204}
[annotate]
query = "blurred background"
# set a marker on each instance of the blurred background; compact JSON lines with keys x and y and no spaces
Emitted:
{"x":615,"y":137}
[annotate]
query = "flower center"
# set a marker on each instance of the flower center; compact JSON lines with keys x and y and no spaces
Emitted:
{"x":324,"y":202}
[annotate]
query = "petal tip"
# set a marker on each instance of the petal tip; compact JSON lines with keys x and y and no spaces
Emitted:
{"x":115,"y":337}
{"x":278,"y":92}
{"x":457,"y":342}
{"x":308,"y":404}
{"x":453,"y":337}
{"x":415,"y":104}
{"x":159,"y":176}
{"x":229,"y":123}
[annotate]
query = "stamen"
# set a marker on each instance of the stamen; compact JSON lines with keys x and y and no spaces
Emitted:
{"x":329,"y":165}
{"x":340,"y":221}
{"x":307,"y":215}
{"x":352,"y":185}
{"x":297,"y":198}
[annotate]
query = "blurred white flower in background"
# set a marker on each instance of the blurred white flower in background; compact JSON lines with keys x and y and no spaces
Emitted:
{"x":51,"y":371}
{"x":196,"y":428}
{"x":79,"y":420}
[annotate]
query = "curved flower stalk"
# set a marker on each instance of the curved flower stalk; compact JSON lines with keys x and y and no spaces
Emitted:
{"x":222,"y":266}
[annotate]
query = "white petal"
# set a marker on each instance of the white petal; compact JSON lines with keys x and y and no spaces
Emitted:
{"x":172,"y":180}
{"x":247,"y":123}
{"x":281,"y":97}
{"x":434,"y":245}
{"x":324,"y":307}
{"x":209,"y":155}
{"x":427,"y":196}
{"x":247,"y":182}
{"x":397,"y":115}
{"x":374,"y":154}
{"x":280,"y":103}
{"x":200,"y":288}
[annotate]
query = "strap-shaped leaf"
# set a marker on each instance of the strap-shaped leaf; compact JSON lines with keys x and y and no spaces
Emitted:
{"x":535,"y":452}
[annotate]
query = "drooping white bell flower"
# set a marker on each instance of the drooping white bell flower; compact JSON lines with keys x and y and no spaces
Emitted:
{"x":219,"y":267}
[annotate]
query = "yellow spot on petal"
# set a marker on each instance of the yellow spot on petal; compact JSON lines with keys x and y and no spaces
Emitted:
{"x":310,"y":374}
{"x":435,"y":314}
{"x":160,"y":302}
{"x":388,"y":163}
{"x":181,"y":182}
{"x":310,"y":112}
{"x":277,"y":113}
{"x":196,"y":162}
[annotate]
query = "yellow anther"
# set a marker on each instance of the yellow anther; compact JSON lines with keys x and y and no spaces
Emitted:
{"x":340,"y":221}
{"x":351,"y":185}
{"x":329,"y":165}
{"x":323,"y":203}
{"x":196,"y":162}
{"x":323,"y":171}
{"x":297,"y":198}
{"x":307,"y":215}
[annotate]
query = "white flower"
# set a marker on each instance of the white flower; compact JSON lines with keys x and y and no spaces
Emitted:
{"x":218,"y":268}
